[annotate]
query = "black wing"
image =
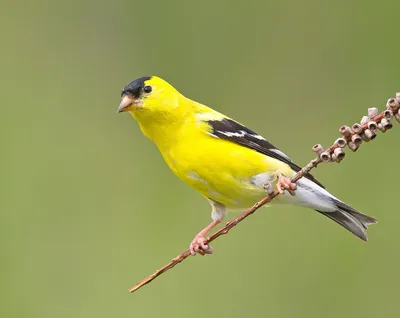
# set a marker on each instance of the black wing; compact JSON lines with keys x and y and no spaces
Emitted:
{"x":230,"y":130}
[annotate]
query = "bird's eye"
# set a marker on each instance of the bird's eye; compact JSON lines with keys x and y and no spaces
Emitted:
{"x":147,"y":89}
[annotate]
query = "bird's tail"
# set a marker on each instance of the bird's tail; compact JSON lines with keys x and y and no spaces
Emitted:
{"x":351,"y":219}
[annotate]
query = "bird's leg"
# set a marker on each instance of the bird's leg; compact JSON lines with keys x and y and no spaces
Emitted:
{"x":198,"y":245}
{"x":285,"y":183}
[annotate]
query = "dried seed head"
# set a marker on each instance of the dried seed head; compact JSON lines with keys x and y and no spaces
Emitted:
{"x":357,"y":129}
{"x":364,"y":138}
{"x":398,"y":97}
{"x":356,"y":139}
{"x":341,"y":142}
{"x":318,"y":149}
{"x":352,"y":146}
{"x":364,"y":120}
{"x":372,"y":112}
{"x":381,"y":128}
{"x":325,"y":156}
{"x":397,"y":116}
{"x":369,"y":134}
{"x":338,"y":154}
{"x":388,"y":114}
{"x":345,"y":131}
{"x":372,"y":125}
{"x":386,"y":123}
{"x":392,"y":104}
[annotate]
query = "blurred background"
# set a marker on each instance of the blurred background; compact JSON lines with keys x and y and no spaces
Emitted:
{"x":88,"y":207}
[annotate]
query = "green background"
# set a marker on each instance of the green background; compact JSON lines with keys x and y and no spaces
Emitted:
{"x":88,"y":206}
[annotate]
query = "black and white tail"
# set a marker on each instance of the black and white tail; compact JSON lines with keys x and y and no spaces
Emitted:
{"x":351,"y":219}
{"x":311,"y":195}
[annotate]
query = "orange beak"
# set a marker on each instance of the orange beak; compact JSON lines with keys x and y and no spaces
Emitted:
{"x":127,"y":104}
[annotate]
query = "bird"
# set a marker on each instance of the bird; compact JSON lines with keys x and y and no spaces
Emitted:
{"x":226,"y":162}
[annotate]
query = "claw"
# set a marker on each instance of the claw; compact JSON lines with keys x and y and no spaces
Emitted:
{"x":198,"y":246}
{"x":285,"y":184}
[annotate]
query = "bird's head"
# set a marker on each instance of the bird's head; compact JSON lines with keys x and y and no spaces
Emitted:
{"x":158,"y":107}
{"x":149,"y":95}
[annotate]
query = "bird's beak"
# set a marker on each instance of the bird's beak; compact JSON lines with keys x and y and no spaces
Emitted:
{"x":127,"y":103}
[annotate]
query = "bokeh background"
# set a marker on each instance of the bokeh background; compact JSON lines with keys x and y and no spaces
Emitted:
{"x":88,"y":207}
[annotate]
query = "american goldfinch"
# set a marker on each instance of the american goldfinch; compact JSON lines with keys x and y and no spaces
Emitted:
{"x":225,"y":161}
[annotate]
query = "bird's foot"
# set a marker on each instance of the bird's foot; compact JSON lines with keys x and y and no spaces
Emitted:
{"x":199,"y":246}
{"x":285,"y":183}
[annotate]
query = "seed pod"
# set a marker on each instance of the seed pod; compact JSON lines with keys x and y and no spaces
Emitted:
{"x":372,"y":112}
{"x":388,"y":114}
{"x":364,"y":120}
{"x":372,"y":125}
{"x":318,"y":149}
{"x":357,"y":129}
{"x":356,"y":139}
{"x":352,"y":146}
{"x":345,"y":131}
{"x":381,"y":128}
{"x":341,"y":142}
{"x":386,"y":123}
{"x":325,"y":156}
{"x":364,"y":138}
{"x":338,"y":154}
{"x":397,"y":116}
{"x":369,"y":134}
{"x":392,"y":104}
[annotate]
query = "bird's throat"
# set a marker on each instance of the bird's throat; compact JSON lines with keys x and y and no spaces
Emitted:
{"x":163,"y":131}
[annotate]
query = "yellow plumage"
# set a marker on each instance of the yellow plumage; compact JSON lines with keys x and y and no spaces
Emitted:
{"x":218,"y":169}
{"x":223,"y":160}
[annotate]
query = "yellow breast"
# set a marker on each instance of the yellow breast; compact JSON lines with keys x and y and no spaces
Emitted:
{"x":221,"y":170}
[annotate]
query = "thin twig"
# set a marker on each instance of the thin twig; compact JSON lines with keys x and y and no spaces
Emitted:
{"x":352,"y":137}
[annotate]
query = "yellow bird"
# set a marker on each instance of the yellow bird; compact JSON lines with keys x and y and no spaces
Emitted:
{"x":226,"y":162}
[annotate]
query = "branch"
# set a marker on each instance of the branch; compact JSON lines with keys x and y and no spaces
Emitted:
{"x":352,"y":137}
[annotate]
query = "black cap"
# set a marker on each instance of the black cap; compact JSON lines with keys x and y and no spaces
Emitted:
{"x":135,"y":88}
